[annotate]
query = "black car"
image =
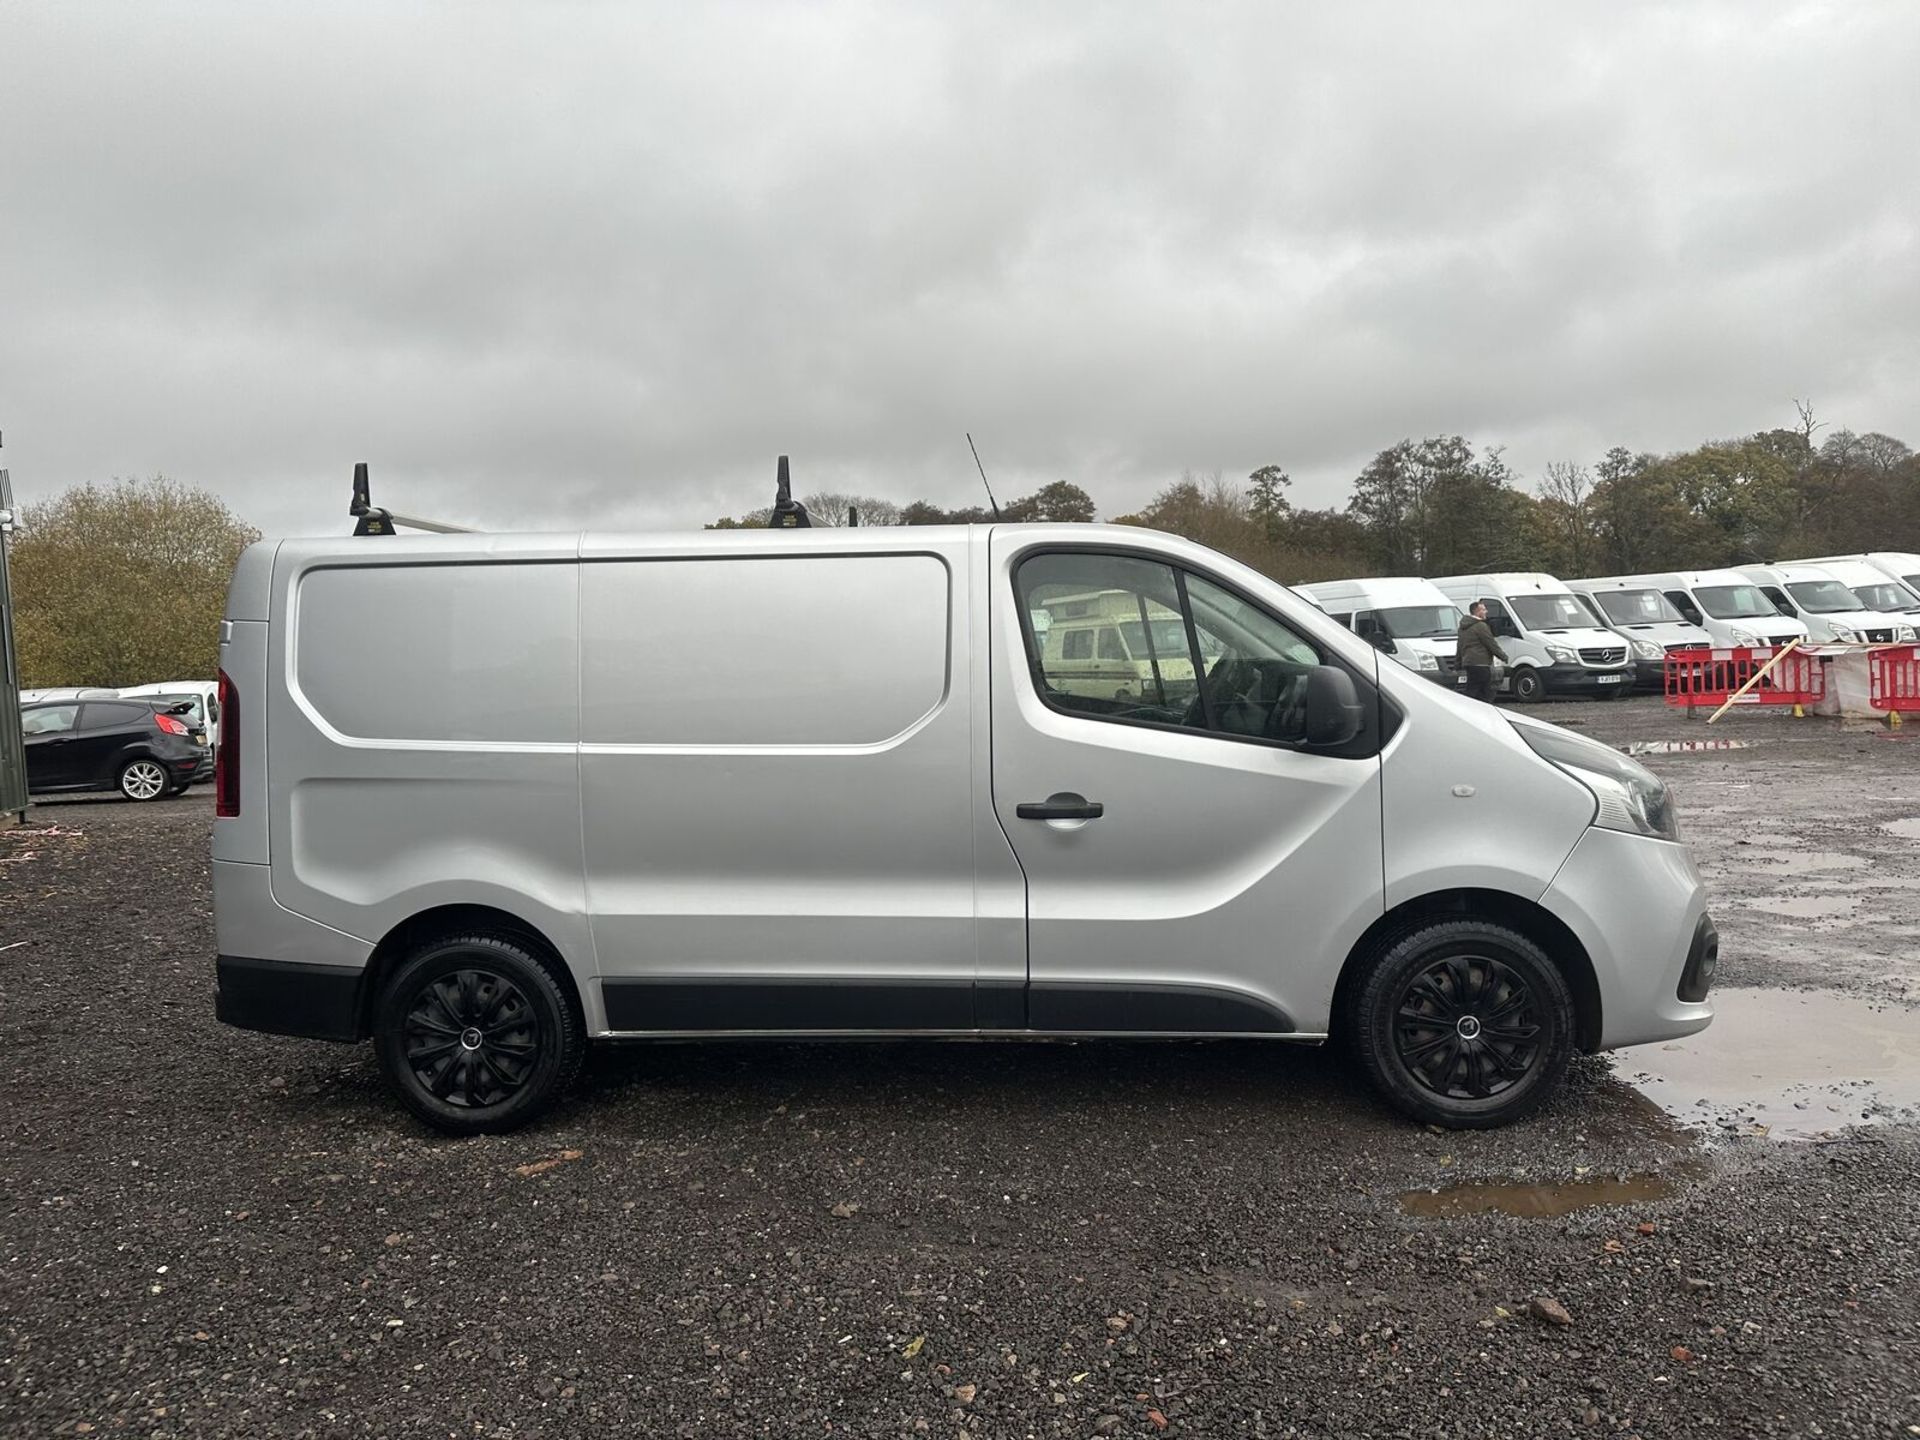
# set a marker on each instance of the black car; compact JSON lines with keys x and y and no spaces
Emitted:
{"x":124,"y":745}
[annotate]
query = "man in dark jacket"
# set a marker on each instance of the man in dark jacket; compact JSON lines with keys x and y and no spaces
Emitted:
{"x":1477,"y":652}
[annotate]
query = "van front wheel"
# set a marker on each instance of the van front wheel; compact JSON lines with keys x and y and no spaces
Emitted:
{"x":1464,"y":1024}
{"x":475,"y":1036}
{"x":1528,"y":687}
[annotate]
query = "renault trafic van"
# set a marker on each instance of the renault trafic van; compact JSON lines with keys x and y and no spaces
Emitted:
{"x":1553,"y":647}
{"x":477,"y":803}
{"x":1724,"y":603}
{"x":1402,"y":616}
{"x":1646,"y":617}
{"x":1830,"y":611}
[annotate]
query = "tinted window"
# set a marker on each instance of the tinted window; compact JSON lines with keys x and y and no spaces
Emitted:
{"x":48,"y":719}
{"x":99,"y":716}
{"x":1683,"y":602}
{"x":1254,"y":667}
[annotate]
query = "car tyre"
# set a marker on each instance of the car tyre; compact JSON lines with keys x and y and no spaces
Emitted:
{"x":476,"y":1035}
{"x":1528,"y":687}
{"x":143,"y":779}
{"x":1463,"y":1024}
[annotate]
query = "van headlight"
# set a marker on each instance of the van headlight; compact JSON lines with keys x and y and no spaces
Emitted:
{"x":1844,"y":635}
{"x":1561,"y":655}
{"x":1631,"y":798}
{"x":1903,"y":633}
{"x":1743,"y":639}
{"x":1426,"y":661}
{"x":1647,"y":650}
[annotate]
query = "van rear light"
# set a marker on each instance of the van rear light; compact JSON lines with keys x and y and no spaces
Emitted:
{"x":170,"y":725}
{"x":226,"y":760}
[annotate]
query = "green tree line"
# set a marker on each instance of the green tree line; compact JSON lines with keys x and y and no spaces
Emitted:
{"x":123,"y":584}
{"x":1441,"y":506}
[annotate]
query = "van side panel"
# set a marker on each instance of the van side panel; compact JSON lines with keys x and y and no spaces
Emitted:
{"x":422,"y":734}
{"x":776,"y":787}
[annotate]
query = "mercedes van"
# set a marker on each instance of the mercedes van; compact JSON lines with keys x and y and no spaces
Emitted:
{"x":1875,"y":580}
{"x":1553,"y":647}
{"x":1402,"y":616}
{"x":484,"y":799}
{"x":1724,"y":603}
{"x":1830,"y":611}
{"x":1652,"y":627}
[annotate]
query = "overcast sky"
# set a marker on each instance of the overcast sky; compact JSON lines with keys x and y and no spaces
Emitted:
{"x":565,"y":265}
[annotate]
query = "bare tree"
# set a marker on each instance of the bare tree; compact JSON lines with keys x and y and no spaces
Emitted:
{"x":830,"y":507}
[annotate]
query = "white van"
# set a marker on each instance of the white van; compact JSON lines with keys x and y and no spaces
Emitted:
{"x":1724,"y":603}
{"x":1402,"y":616}
{"x":1647,"y":618}
{"x":201,"y":694}
{"x":1885,"y":582}
{"x":1830,"y":611}
{"x":1553,"y":647}
{"x":823,"y":783}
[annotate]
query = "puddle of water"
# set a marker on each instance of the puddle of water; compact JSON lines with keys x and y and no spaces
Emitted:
{"x":1534,"y":1201}
{"x":1682,"y":747}
{"x":1789,"y":1064}
{"x":1803,"y":907}
{"x":1905,"y":829}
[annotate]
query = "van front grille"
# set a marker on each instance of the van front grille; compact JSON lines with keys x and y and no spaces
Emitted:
{"x":1783,"y":639}
{"x":1685,"y":645}
{"x":1880,"y":637}
{"x":1607,"y":655}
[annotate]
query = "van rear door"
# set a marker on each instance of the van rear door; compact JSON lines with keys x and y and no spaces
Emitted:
{"x":1190,"y":866}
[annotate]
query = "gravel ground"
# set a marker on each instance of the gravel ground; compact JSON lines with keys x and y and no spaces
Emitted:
{"x":209,"y":1232}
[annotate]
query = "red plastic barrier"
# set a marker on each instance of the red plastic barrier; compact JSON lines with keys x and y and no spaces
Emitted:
{"x":1893,"y":678}
{"x":1710,"y":677}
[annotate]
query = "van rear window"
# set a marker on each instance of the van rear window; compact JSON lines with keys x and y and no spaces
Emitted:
{"x":761,"y":650}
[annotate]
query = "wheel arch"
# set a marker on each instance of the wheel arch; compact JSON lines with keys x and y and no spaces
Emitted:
{"x":447,"y":920}
{"x":1497,"y":907}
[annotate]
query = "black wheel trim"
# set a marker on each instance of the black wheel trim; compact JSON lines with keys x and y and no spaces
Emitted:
{"x":472,"y":1038}
{"x":1451,"y":997}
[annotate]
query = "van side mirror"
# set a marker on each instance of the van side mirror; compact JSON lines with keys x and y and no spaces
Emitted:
{"x":1383,"y":642}
{"x":1334,"y":712}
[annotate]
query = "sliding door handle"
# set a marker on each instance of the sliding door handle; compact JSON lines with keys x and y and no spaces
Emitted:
{"x":1060,"y":807}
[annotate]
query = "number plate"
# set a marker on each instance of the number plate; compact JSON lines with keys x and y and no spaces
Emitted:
{"x":1608,"y":679}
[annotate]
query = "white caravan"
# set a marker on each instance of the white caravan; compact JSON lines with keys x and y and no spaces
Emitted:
{"x":1830,"y":611}
{"x":471,"y":807}
{"x":1887,"y":582}
{"x":1553,"y":646}
{"x":1402,"y":616}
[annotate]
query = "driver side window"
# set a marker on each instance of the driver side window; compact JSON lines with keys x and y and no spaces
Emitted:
{"x":1248,"y":678}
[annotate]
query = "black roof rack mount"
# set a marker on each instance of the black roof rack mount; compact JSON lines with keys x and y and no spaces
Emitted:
{"x":375,"y":521}
{"x":788,"y":513}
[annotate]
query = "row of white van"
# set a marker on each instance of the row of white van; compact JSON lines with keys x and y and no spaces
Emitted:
{"x":202,"y":694}
{"x":1601,"y":636}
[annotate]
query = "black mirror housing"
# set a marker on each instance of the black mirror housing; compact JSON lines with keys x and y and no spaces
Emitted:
{"x":1334,"y":711}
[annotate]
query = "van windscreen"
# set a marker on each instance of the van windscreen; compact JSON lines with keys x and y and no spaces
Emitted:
{"x":1636,"y":607}
{"x":1734,"y":602}
{"x":1550,"y":612}
{"x":1823,"y":597}
{"x":1420,"y":622}
{"x":1888,"y":597}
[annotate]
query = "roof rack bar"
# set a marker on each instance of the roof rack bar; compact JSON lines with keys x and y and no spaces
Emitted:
{"x":375,"y":521}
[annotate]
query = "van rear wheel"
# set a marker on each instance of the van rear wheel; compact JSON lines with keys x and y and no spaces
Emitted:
{"x":1464,"y":1024}
{"x":475,"y":1035}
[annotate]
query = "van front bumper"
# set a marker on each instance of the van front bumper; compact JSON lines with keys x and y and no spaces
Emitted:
{"x":1579,"y":680}
{"x":286,"y":997}
{"x":1637,"y":906}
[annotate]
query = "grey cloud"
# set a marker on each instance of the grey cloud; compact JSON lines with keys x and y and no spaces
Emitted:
{"x":610,"y":260}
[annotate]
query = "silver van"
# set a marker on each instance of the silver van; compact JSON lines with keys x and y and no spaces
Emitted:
{"x":484,"y":798}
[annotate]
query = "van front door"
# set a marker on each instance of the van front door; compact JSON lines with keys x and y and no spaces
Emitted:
{"x":1191,"y":866}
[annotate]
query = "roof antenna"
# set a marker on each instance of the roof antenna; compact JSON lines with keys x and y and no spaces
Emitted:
{"x":983,"y":476}
{"x":788,"y":513}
